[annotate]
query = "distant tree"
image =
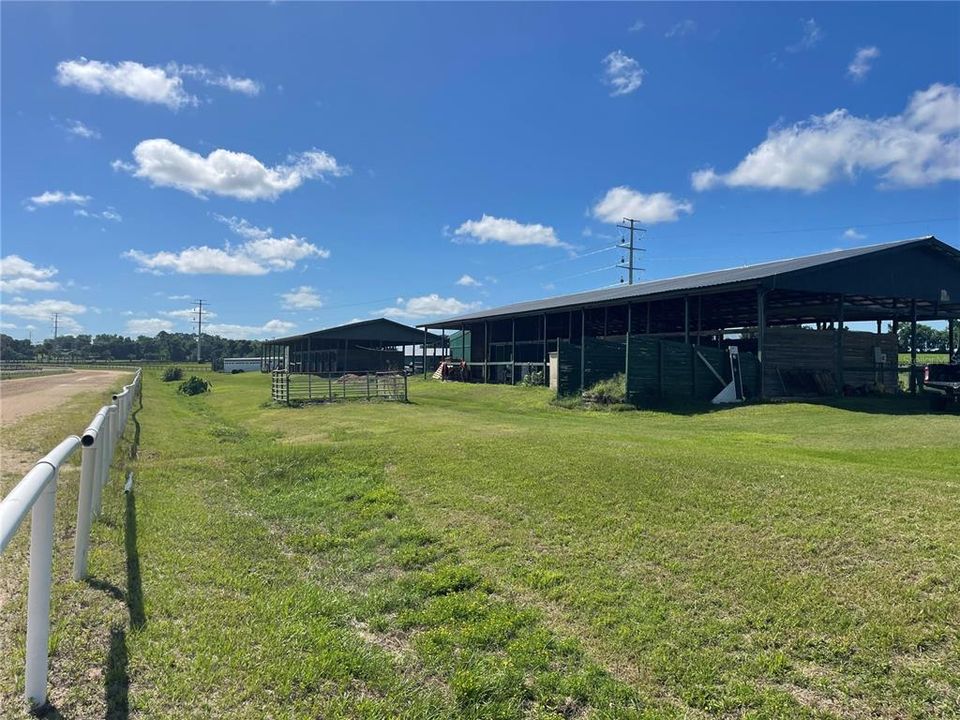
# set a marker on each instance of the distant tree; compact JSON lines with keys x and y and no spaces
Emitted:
{"x":12,"y":349}
{"x":929,"y":339}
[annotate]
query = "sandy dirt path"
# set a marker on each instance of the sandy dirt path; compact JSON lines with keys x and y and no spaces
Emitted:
{"x":26,"y":396}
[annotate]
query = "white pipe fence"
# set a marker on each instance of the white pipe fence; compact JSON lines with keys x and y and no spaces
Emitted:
{"x":36,"y":493}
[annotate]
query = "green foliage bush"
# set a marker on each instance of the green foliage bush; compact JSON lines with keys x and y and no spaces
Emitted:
{"x":533,"y":379}
{"x":611,"y":391}
{"x":171,"y":374}
{"x":194,"y":386}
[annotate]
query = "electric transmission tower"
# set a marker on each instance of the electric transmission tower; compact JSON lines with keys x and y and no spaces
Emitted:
{"x":198,"y":314}
{"x":630,"y":246}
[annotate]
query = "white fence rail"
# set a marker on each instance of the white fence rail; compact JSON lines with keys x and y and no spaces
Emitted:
{"x":36,"y":493}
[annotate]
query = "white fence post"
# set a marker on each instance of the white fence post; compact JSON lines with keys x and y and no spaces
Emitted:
{"x":38,"y":595}
{"x":36,"y":493}
{"x":88,"y":475}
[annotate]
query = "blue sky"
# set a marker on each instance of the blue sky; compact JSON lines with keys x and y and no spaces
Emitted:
{"x":302,"y":165}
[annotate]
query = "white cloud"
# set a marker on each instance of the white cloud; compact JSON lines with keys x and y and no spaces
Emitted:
{"x":244,"y":228}
{"x":75,"y":127}
{"x":622,"y":73}
{"x":108,"y":214}
{"x":852,"y":234}
{"x":637,"y":26}
{"x":242,"y":85}
{"x":921,"y":146}
{"x":44,"y":310}
{"x":507,"y":231}
{"x":624,"y":202}
{"x":129,"y":79}
{"x":148,"y":326}
{"x":201,"y":260}
{"x":19,"y":275}
{"x":684,"y":27}
{"x":260,"y":254}
{"x":224,"y":172}
{"x":178,"y":297}
{"x":426,"y":306}
{"x":301,"y":298}
{"x":468,"y":281}
{"x":56,"y":197}
{"x":271,"y":329}
{"x":862,"y":62}
{"x":812,"y":34}
{"x":187,"y":314}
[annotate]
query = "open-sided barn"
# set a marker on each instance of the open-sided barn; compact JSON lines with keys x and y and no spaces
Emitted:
{"x":377,"y":345}
{"x":788,"y":319}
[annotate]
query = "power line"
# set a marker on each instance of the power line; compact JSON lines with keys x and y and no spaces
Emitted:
{"x":198,"y":313}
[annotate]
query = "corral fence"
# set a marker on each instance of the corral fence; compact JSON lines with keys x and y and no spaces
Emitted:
{"x":12,"y":370}
{"x":288,"y":387}
{"x":36,"y":493}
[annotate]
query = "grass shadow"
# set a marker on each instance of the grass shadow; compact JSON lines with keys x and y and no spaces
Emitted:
{"x":134,"y":594}
{"x":135,"y":445}
{"x":116,"y":688}
{"x":47,"y":711}
{"x":105,"y":587}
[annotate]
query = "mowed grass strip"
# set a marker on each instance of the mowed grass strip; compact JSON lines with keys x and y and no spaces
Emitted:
{"x":479,"y":553}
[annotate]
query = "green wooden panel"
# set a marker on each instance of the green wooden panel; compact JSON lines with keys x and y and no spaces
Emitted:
{"x":750,"y":371}
{"x":568,"y":369}
{"x":603,"y":359}
{"x":644,"y":381}
{"x":677,"y":370}
{"x":707,"y":385}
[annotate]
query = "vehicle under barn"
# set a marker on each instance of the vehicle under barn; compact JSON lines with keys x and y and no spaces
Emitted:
{"x":671,"y":338}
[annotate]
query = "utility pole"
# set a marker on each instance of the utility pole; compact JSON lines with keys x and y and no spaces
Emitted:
{"x":199,"y":315}
{"x":56,"y":326}
{"x":631,"y":225}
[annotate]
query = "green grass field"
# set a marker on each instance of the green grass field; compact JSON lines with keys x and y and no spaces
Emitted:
{"x":479,"y":553}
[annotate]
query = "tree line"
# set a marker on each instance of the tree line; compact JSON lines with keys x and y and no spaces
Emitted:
{"x":929,"y":340}
{"x":171,"y":347}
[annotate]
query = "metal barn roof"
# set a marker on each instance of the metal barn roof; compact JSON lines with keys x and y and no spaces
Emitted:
{"x":378,"y":330}
{"x":775,"y":274}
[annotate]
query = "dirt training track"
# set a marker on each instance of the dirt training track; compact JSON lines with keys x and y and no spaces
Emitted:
{"x":25,"y":396}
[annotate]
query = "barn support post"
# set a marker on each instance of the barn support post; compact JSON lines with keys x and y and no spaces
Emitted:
{"x":699,"y":316}
{"x":513,"y":351}
{"x":626,"y":354}
{"x":646,"y":329}
{"x":424,"y":352}
{"x":486,"y":349}
{"x":546,"y":355}
{"x":346,"y":351}
{"x":839,"y":346}
{"x":686,"y":319}
{"x":951,"y":336}
{"x":761,"y":338}
{"x":606,"y":313}
{"x":913,"y":347}
{"x":583,"y":347}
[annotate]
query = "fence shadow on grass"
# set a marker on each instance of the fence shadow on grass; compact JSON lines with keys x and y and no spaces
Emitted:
{"x":117,"y":677}
{"x":134,"y":593}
